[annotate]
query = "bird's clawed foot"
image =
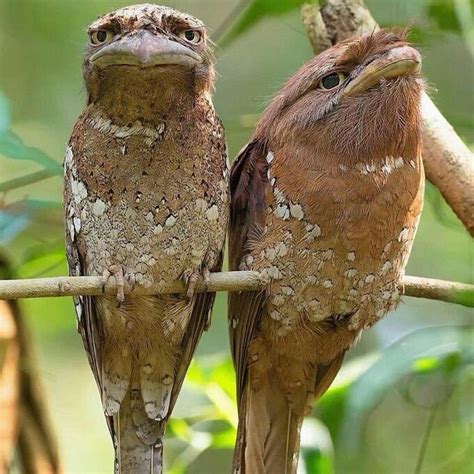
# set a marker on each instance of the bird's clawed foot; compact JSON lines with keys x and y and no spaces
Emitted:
{"x":191,"y":278}
{"x":122,"y":280}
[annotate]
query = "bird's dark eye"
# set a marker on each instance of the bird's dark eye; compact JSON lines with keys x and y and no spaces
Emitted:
{"x":101,"y":36}
{"x":332,"y":80}
{"x":192,"y":36}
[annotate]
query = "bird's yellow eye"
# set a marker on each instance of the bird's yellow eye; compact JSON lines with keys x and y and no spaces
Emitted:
{"x":191,"y":36}
{"x":101,"y":36}
{"x":332,"y":80}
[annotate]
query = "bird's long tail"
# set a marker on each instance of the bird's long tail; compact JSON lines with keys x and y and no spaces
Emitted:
{"x":268,"y":434}
{"x":139,"y":439}
{"x":270,"y":419}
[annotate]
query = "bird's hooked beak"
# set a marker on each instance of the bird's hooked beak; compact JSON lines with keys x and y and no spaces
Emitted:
{"x":397,"y":62}
{"x":145,"y":49}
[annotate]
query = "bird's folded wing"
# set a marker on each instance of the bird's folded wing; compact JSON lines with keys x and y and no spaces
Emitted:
{"x":248,"y":185}
{"x":198,"y":323}
{"x":88,"y":324}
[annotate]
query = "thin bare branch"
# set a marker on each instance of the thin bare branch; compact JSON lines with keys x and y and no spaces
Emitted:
{"x":26,"y":180}
{"x":441,"y":290}
{"x":95,"y":285}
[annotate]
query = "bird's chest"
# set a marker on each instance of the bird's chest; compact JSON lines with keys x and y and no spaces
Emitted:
{"x":154,"y":206}
{"x":327,"y":256}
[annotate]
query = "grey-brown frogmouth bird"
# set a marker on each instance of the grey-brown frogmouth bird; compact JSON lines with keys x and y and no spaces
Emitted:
{"x":146,"y":200}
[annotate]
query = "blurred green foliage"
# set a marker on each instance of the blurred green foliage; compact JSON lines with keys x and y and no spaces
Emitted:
{"x":403,"y":400}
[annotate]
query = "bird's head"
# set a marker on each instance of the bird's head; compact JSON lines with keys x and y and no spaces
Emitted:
{"x":359,"y":98}
{"x":147,"y":44}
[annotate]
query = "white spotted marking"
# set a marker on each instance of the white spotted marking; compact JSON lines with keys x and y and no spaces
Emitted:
{"x":351,"y":256}
{"x":281,"y":249}
{"x":98,"y":208}
{"x":386,"y":295}
{"x":78,"y":190}
{"x":362,"y":168}
{"x":327,"y":284}
{"x":71,"y":230}
{"x":274,"y":272}
{"x":369,"y":278}
{"x":398,"y":162}
{"x":314,"y":305}
{"x":282,"y":211}
{"x":201,"y":205}
{"x":212,"y":213}
{"x":351,"y":273}
{"x":278,"y":300}
{"x":296,"y":211}
{"x":311,"y":279}
{"x":386,"y":267}
{"x":279,"y":196}
{"x":370,"y":167}
{"x":403,"y":236}
{"x":105,"y":125}
{"x":68,"y":159}
{"x":270,"y":157}
{"x":170,"y":221}
{"x":313,"y":231}
{"x":147,"y":369}
{"x":386,"y":168}
{"x":328,"y":254}
{"x":275,"y":315}
{"x":77,"y":224}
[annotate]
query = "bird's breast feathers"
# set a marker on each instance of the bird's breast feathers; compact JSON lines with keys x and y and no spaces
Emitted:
{"x":146,"y":198}
{"x":327,"y":252}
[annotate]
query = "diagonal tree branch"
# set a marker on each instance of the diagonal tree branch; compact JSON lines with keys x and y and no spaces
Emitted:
{"x":441,"y":290}
{"x":449,"y":164}
{"x":26,"y":180}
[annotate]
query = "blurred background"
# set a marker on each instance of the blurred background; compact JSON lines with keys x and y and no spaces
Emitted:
{"x":403,"y":402}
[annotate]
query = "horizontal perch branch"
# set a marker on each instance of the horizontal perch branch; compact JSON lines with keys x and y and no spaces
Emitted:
{"x":451,"y":292}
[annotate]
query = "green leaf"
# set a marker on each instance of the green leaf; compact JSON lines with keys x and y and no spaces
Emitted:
{"x":253,"y":12}
{"x":4,"y":114}
{"x":444,"y":15}
{"x":13,"y":147}
{"x":450,"y":346}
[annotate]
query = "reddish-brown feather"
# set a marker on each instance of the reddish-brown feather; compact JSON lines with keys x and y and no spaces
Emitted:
{"x":325,"y":204}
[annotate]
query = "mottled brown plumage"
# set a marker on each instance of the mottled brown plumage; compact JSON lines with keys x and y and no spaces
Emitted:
{"x":325,"y":202}
{"x":146,"y":199}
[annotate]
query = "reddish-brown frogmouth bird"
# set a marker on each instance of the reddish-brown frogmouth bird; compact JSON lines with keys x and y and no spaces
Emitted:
{"x":326,"y":198}
{"x":146,"y":200}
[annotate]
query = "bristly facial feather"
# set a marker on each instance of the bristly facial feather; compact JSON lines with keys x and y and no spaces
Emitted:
{"x":132,"y":23}
{"x":349,"y":129}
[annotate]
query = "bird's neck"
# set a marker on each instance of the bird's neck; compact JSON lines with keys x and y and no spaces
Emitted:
{"x":151,"y":98}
